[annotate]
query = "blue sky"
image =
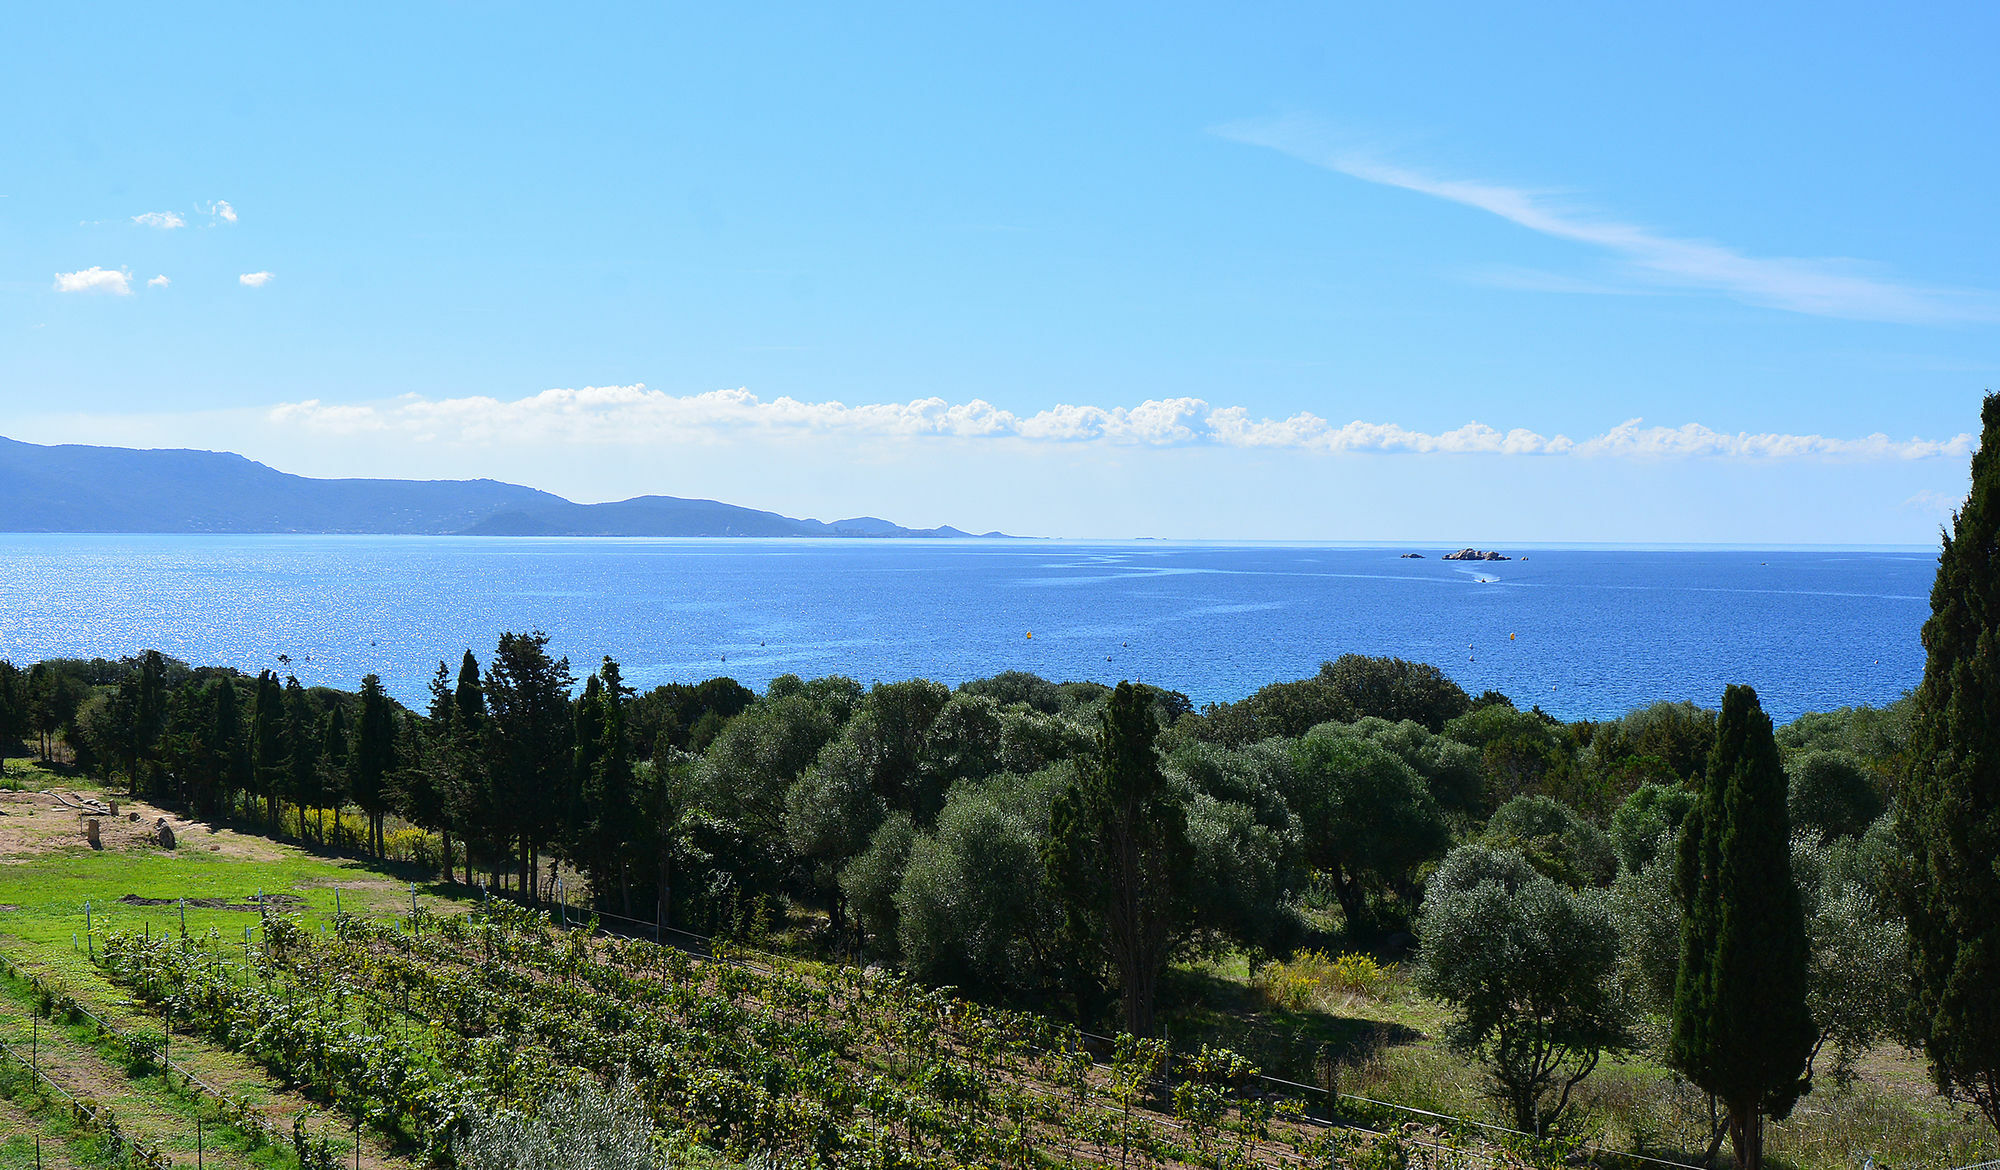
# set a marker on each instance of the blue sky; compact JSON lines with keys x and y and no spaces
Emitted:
{"x":1142,"y":269}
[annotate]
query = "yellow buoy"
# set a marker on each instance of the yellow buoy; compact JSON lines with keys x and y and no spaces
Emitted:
{"x":1510,"y":637}
{"x":1031,"y":635}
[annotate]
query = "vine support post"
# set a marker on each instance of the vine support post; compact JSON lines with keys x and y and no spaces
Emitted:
{"x":89,"y":940}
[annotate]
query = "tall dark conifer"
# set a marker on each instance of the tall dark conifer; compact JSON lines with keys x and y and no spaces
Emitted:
{"x":579,"y":817}
{"x":608,"y":824}
{"x":424,"y":783}
{"x":1741,"y":1028}
{"x":149,"y":714}
{"x":373,"y":758}
{"x":270,"y":752}
{"x":469,"y":793}
{"x":230,"y":743}
{"x":302,"y":755}
{"x":333,"y":752}
{"x":528,"y":740}
{"x":1118,"y":854}
{"x":1950,"y":812}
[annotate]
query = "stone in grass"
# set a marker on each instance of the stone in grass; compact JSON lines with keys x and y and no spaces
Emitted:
{"x":164,"y":832}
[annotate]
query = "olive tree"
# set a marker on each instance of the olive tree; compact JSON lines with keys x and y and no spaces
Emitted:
{"x":583,"y":1127}
{"x":1554,"y":840}
{"x":1831,"y":794}
{"x":1529,"y":967}
{"x":1857,"y":969}
{"x":1366,"y":819}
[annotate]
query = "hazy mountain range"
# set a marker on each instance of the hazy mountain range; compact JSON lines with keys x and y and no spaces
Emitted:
{"x":119,"y":489}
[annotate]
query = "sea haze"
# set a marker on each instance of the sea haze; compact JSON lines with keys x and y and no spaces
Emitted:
{"x":1582,"y":632}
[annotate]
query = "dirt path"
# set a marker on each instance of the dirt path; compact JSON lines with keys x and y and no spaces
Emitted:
{"x":21,"y":1128}
{"x":149,"y":1111}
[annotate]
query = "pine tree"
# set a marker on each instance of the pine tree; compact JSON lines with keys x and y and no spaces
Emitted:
{"x":1118,"y":851}
{"x":1950,"y":812}
{"x":1741,"y":1028}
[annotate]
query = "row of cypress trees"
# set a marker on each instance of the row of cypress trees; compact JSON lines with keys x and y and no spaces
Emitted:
{"x":1741,"y":1028}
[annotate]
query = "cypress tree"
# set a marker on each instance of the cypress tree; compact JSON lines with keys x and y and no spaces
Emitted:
{"x":227,"y":740}
{"x":580,"y":812}
{"x":1741,"y":1028}
{"x":468,"y":794}
{"x":528,"y":740}
{"x":331,"y":786}
{"x":270,"y":753}
{"x":1949,"y":817}
{"x":615,"y":813}
{"x":1118,"y":853}
{"x":149,"y":714}
{"x":373,"y":758}
{"x":302,"y":762}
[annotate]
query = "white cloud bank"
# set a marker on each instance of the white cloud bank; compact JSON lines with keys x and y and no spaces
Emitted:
{"x":635,"y":415}
{"x":254,"y":279}
{"x":1820,"y":287}
{"x":115,"y":281}
{"x":221,"y":210}
{"x":159,"y":281}
{"x":164,"y":220}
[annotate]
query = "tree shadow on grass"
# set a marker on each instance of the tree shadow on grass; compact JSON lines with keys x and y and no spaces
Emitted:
{"x":1202,"y":1007}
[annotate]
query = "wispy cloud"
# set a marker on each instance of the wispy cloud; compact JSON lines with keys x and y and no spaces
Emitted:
{"x":116,"y":281}
{"x":625,"y":415}
{"x":164,"y":220}
{"x":222,"y":211}
{"x":1936,"y":504}
{"x":254,"y":279}
{"x":1821,"y":287}
{"x":159,"y":281}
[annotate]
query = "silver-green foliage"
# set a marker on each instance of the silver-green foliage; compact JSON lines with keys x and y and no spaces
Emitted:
{"x":1649,"y":928}
{"x":587,"y":1127}
{"x":1857,"y":972}
{"x":1530,"y":968}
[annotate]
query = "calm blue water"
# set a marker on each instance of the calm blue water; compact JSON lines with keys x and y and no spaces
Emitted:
{"x":1583,"y":632}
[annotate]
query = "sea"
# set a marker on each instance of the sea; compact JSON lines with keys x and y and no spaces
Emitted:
{"x":1581,"y":631}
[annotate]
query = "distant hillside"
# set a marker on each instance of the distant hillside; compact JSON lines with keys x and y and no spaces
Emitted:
{"x":117,"y":489}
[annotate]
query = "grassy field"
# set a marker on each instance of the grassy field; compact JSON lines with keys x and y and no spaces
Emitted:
{"x":49,"y":874}
{"x":1375,"y":1038}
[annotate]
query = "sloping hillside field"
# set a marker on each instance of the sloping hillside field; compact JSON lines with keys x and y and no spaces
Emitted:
{"x":275,"y":1008}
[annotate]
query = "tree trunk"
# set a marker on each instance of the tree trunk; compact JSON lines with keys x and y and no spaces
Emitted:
{"x":663,"y":905}
{"x":446,"y":835}
{"x":1353,"y":905}
{"x":1746,"y":1137}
